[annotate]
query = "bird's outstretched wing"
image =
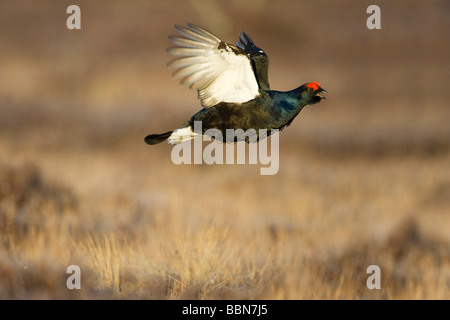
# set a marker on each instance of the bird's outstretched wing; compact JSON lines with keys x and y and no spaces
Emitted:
{"x":219,"y":71}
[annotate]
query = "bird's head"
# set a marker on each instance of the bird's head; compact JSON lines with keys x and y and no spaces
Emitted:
{"x":312,"y":92}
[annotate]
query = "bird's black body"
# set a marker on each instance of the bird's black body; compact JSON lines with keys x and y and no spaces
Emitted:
{"x":269,"y":109}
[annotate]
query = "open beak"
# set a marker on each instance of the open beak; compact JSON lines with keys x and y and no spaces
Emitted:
{"x":321,"y":94}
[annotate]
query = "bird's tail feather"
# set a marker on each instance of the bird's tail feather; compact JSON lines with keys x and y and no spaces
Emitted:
{"x":173,"y":137}
{"x":157,"y":138}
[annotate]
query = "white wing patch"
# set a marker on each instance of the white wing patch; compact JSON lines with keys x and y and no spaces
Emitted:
{"x":218,"y":70}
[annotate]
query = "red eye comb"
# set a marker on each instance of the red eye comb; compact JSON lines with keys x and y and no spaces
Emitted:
{"x":314,"y":85}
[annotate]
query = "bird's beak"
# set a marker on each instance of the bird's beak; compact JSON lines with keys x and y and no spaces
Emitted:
{"x":321,"y":94}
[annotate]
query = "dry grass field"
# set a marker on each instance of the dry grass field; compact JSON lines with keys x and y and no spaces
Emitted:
{"x":364,"y":176}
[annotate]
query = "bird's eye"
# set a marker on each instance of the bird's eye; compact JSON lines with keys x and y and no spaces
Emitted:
{"x":311,"y":89}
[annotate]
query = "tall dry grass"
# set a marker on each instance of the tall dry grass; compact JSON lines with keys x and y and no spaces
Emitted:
{"x":309,"y":237}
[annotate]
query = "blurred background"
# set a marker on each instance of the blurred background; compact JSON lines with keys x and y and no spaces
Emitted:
{"x":364,"y":176}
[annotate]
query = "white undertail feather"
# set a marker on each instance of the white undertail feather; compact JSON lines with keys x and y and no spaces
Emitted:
{"x":182,"y":134}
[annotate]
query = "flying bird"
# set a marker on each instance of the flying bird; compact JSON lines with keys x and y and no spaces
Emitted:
{"x":233,"y":87}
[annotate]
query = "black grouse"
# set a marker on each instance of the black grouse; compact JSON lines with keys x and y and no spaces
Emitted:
{"x":232,"y":86}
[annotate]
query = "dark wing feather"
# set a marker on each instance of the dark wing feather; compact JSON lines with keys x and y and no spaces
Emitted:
{"x":260,"y":61}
